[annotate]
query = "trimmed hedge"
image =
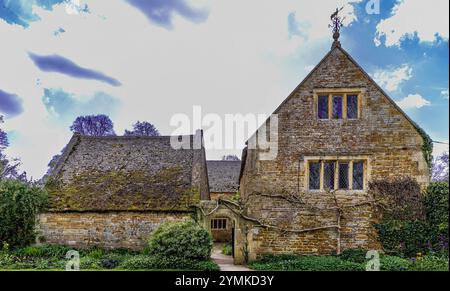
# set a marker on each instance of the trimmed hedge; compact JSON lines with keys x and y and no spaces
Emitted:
{"x":182,"y":240}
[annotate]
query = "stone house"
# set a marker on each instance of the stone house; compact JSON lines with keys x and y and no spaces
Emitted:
{"x":337,"y":131}
{"x":113,"y":191}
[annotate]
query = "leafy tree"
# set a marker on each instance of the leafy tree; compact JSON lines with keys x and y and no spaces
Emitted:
{"x":9,"y":169}
{"x":230,"y":158}
{"x":440,"y":168}
{"x":19,"y":204}
{"x":143,"y":128}
{"x":93,"y":125}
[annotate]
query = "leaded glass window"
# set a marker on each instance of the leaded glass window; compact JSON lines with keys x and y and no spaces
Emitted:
{"x":343,"y":175}
{"x":219,"y":223}
{"x":314,"y":176}
{"x":358,"y":175}
{"x":323,"y":107}
{"x":337,"y":107}
{"x":352,"y":106}
{"x":328,"y":175}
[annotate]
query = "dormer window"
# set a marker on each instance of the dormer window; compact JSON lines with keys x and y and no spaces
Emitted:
{"x":338,"y":105}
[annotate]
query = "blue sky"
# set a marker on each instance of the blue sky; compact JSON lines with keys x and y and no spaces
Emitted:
{"x":149,"y":59}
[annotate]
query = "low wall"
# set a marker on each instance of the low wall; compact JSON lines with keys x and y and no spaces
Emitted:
{"x":106,"y":230}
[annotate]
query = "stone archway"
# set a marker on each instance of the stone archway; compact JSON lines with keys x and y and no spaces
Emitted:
{"x":210,"y":213}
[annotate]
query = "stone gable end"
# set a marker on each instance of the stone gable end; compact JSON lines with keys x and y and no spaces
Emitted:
{"x":383,"y":137}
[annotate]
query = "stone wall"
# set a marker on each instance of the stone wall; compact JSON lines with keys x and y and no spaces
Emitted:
{"x":107,"y":230}
{"x":388,"y":141}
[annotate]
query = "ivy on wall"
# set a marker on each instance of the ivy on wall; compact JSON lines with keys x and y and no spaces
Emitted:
{"x":427,"y":147}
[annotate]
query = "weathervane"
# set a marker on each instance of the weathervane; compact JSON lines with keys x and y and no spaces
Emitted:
{"x":336,"y":25}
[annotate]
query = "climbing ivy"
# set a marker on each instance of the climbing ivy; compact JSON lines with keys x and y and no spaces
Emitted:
{"x":427,"y":147}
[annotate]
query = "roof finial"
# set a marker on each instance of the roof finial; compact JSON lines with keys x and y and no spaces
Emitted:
{"x":336,"y":24}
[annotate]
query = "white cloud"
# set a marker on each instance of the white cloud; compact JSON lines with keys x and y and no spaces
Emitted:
{"x":440,"y":148}
{"x":413,"y":101}
{"x":238,"y":55}
{"x":409,"y":17}
{"x":391,"y":79}
{"x":444,"y":94}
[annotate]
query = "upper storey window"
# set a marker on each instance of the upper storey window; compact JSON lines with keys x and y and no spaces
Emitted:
{"x":338,"y":106}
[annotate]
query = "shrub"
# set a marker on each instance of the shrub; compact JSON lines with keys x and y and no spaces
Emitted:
{"x":307,"y":263}
{"x":44,"y":264}
{"x":110,"y":262}
{"x":95,"y":253}
{"x":6,"y":260}
{"x":227,"y":249}
{"x":181,"y":239}
{"x":436,"y":205}
{"x":144,"y":262}
{"x":354,"y":255}
{"x":90,"y":263}
{"x":44,"y":251}
{"x":404,"y":238}
{"x":392,"y":263}
{"x":430,"y":263}
{"x":19,"y":204}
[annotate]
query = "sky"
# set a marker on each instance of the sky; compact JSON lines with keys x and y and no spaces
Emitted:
{"x":150,"y":59}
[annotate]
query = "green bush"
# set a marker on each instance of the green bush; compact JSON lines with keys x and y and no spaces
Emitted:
{"x":110,"y":262}
{"x":227,"y":249}
{"x":408,"y":237}
{"x":144,"y":262}
{"x":354,"y":255}
{"x":90,"y":263}
{"x":95,"y":253}
{"x":392,"y":263}
{"x":404,"y":238}
{"x":181,"y":239}
{"x":19,"y":204}
{"x":44,"y":251}
{"x":436,"y":205}
{"x":305,"y":263}
{"x":6,"y":259}
{"x":430,"y":263}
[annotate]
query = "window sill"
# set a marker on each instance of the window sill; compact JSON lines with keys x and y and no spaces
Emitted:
{"x":337,"y":191}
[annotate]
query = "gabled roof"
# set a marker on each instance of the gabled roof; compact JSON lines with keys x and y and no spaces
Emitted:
{"x":338,"y":47}
{"x":111,"y":173}
{"x":223,"y":176}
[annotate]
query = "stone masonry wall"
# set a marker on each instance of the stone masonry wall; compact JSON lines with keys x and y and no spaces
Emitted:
{"x":107,"y":230}
{"x":383,"y":135}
